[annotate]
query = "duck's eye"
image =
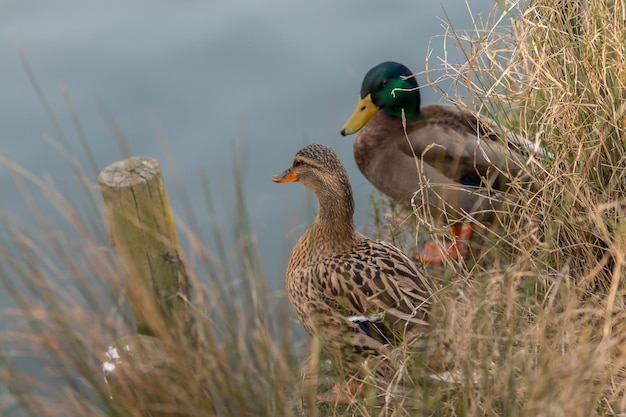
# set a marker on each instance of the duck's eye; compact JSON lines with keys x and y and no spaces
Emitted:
{"x":298,"y":162}
{"x":385,"y":83}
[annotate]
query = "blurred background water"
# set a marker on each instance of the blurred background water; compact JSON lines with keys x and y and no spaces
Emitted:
{"x":213,"y":80}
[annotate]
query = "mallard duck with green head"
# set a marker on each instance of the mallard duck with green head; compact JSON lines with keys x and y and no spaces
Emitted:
{"x":360,"y":296}
{"x":439,"y":158}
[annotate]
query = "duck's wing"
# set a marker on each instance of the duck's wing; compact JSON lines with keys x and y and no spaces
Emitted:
{"x":467,"y":149}
{"x":377,"y":288}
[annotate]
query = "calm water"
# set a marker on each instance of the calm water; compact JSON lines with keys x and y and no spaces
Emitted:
{"x":258,"y":79}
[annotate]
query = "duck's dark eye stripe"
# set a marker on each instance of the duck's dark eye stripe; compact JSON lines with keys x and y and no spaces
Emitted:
{"x":298,"y":162}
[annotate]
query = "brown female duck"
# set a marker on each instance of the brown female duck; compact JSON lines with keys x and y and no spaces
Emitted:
{"x":439,"y":157}
{"x":358,"y":295}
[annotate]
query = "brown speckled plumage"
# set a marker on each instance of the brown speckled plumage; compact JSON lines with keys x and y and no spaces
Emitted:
{"x":359,"y":295}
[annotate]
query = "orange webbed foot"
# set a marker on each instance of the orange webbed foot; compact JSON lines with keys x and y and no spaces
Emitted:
{"x":435,"y":252}
{"x":334,"y":395}
{"x":337,"y":395}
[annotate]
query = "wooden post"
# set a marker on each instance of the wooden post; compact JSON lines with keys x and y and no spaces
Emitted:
{"x":142,"y":228}
{"x":142,"y":370}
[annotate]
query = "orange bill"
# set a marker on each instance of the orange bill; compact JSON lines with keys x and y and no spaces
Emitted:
{"x":287,"y":176}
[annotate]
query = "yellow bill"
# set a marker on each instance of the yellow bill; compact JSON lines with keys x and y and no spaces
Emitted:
{"x":364,"y":111}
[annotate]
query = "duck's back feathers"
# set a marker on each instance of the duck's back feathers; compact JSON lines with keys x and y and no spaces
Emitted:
{"x":364,"y":301}
{"x":447,"y":157}
{"x":460,"y":144}
{"x":372,"y":281}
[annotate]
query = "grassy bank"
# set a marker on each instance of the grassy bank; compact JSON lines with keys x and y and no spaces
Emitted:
{"x":532,"y":324}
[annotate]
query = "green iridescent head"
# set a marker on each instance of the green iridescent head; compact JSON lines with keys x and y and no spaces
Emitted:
{"x":389,"y":87}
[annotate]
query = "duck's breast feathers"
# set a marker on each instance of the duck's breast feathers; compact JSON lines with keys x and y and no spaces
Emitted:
{"x":375,"y":278}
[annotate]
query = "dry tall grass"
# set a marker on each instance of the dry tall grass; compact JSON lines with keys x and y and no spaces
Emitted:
{"x":541,"y":319}
{"x":533,"y":325}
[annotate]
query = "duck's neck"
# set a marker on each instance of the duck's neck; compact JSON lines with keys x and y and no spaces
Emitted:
{"x":334,"y":222}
